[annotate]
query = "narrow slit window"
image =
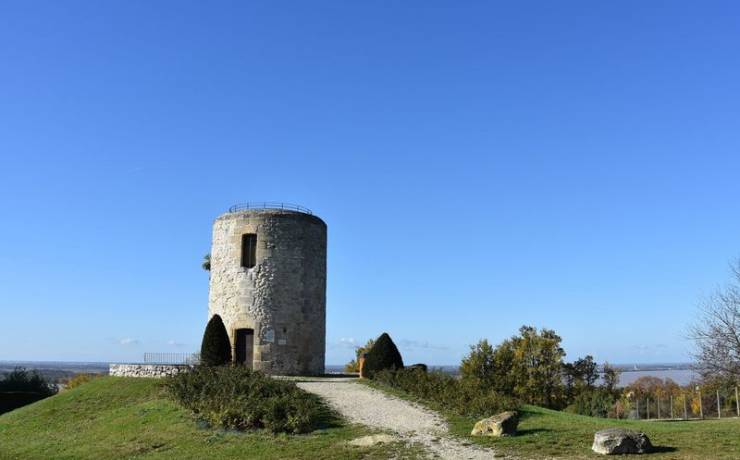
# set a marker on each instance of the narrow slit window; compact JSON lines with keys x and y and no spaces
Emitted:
{"x":249,"y":250}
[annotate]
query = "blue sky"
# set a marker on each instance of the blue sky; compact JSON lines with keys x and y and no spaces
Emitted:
{"x":480,"y":165}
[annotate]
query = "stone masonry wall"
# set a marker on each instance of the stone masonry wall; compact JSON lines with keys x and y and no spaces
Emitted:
{"x":283,"y":297}
{"x":146,"y":370}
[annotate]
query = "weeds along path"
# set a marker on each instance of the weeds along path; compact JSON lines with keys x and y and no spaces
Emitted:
{"x":359,"y":403}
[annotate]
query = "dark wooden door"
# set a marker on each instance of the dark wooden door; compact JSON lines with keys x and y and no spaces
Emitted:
{"x":244,"y":344}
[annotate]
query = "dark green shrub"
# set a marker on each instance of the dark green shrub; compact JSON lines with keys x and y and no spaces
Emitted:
{"x":596,"y":402}
{"x":420,"y":366}
{"x":239,"y":398}
{"x":445,"y":392}
{"x":383,"y":355}
{"x":22,"y":381}
{"x":216,"y":348}
{"x":20,"y":387}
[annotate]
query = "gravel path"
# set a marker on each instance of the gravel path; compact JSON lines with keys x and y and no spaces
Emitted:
{"x":412,"y":423}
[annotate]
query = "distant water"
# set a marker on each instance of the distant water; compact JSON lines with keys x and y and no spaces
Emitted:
{"x":680,"y":376}
{"x":626,"y":377}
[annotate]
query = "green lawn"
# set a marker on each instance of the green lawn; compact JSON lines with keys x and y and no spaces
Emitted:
{"x":115,"y":418}
{"x":545,"y":433}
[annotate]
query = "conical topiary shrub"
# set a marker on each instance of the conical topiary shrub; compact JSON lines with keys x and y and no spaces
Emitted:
{"x":382,"y":355}
{"x":216,"y":348}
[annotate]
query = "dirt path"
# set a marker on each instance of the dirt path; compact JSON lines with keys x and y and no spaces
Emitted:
{"x":362,"y":404}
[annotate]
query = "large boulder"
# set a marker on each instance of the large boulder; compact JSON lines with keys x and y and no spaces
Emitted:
{"x":503,"y":424}
{"x":614,"y":441}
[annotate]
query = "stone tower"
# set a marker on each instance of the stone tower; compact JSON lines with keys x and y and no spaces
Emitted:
{"x":268,"y":284}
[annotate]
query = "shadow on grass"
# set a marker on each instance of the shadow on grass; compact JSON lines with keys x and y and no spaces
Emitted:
{"x":662,"y":449}
{"x":532,"y":431}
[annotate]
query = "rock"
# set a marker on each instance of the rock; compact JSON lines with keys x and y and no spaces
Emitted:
{"x":503,"y":424}
{"x":621,"y":441}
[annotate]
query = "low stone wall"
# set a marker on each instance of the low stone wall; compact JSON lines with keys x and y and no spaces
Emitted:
{"x":146,"y":370}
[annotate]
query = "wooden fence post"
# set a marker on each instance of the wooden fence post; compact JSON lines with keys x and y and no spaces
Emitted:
{"x":719,"y":406}
{"x":647,"y":406}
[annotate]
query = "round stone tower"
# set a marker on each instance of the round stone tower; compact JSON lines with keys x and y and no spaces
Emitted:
{"x":268,"y":284}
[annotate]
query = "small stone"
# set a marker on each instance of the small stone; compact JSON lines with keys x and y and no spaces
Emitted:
{"x":613,"y":441}
{"x":503,"y":424}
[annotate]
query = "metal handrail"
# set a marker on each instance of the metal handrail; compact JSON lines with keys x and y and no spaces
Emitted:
{"x":269,"y":205}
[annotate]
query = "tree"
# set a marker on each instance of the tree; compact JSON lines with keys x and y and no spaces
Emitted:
{"x":489,"y":367}
{"x":206,"y":265}
{"x":354,"y":365}
{"x":383,"y":355}
{"x":538,"y":361}
{"x":216,"y":348}
{"x":611,"y":377}
{"x":480,"y":363}
{"x":580,"y":375}
{"x":528,"y":367}
{"x":717,"y":332}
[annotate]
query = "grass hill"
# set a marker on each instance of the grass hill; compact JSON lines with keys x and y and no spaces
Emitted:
{"x":114,"y":418}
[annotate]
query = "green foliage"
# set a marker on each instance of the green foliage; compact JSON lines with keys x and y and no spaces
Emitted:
{"x":354,"y":365}
{"x":206,"y":264}
{"x":216,"y":348}
{"x":239,"y":398}
{"x":526,"y":367}
{"x":22,"y":381}
{"x":594,"y":402}
{"x":611,"y":377}
{"x":383,"y":355}
{"x":445,"y":392}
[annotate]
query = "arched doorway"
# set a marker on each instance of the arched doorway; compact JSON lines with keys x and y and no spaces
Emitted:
{"x":243,"y":347}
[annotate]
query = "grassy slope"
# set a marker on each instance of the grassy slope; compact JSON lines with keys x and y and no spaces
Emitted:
{"x":545,"y":433}
{"x":131,"y":418}
{"x":548,"y":433}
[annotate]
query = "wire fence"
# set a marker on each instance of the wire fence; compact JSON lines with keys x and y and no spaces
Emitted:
{"x":171,"y":358}
{"x":691,"y":402}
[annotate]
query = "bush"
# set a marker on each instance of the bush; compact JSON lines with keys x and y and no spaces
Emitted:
{"x":354,"y":365}
{"x":596,"y":402}
{"x":216,"y":348}
{"x":443,"y":391}
{"x":22,"y":381}
{"x":79,"y":379}
{"x":383,"y":355}
{"x":239,"y":398}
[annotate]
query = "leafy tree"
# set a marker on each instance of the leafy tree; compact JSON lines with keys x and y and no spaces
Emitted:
{"x":215,"y":349}
{"x":354,"y":365}
{"x":580,"y":375}
{"x":538,"y":360}
{"x":527,"y":366}
{"x":480,"y":363}
{"x":22,"y":381}
{"x":611,"y":377}
{"x":383,"y":355}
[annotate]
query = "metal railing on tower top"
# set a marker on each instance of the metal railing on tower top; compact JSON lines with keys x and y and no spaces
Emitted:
{"x":269,"y":205}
